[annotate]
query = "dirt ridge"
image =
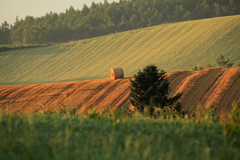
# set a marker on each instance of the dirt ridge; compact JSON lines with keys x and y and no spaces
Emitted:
{"x":216,"y":87}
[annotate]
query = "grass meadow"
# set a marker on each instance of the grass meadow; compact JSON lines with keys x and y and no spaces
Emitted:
{"x":175,"y":46}
{"x":116,"y":136}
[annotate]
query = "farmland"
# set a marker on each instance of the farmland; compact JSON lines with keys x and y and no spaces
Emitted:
{"x":175,"y":46}
{"x":40,"y":83}
{"x":216,"y":87}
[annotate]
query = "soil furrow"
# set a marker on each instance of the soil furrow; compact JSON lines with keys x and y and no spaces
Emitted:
{"x":209,"y":90}
{"x":216,"y":86}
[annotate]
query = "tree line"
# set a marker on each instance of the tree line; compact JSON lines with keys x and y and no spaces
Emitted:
{"x":105,"y":18}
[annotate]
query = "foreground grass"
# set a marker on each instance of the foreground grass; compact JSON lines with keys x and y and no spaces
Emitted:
{"x":63,"y":136}
{"x":175,"y":46}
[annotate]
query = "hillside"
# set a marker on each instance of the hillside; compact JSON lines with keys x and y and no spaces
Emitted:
{"x":216,"y":86}
{"x":175,"y":46}
{"x":106,"y":18}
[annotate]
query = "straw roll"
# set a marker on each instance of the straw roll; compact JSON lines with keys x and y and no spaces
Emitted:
{"x":116,"y":73}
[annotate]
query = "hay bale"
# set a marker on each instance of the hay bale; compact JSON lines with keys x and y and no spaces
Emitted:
{"x":116,"y":73}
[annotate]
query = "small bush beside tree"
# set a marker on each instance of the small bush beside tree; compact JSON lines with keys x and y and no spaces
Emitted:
{"x":221,"y":62}
{"x":196,"y":68}
{"x":150,"y":89}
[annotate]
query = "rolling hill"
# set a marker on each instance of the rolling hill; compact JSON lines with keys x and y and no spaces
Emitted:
{"x":216,"y":87}
{"x":175,"y":46}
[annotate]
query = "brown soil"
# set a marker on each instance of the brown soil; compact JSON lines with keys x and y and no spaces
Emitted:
{"x":216,"y":86}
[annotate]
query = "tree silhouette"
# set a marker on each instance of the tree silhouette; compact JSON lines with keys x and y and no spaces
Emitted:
{"x":150,"y":89}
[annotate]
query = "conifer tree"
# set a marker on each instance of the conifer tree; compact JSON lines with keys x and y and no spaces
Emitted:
{"x":150,"y":88}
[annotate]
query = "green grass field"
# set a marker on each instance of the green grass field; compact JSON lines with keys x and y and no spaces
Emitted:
{"x":62,"y":136}
{"x":175,"y":46}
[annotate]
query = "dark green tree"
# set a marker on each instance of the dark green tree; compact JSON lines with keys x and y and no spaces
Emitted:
{"x":85,"y":10}
{"x":150,"y":88}
{"x":5,"y":33}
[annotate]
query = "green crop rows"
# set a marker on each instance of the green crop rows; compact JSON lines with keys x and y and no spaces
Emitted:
{"x":175,"y":46}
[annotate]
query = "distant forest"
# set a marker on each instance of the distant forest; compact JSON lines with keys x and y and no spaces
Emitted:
{"x":105,"y":18}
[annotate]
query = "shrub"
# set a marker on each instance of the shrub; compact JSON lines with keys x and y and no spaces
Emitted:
{"x":196,"y":68}
{"x":63,"y":109}
{"x":231,"y":122}
{"x":199,"y":114}
{"x":221,"y":62}
{"x":150,"y":89}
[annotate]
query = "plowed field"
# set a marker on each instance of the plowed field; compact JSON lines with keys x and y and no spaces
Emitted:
{"x":216,"y":86}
